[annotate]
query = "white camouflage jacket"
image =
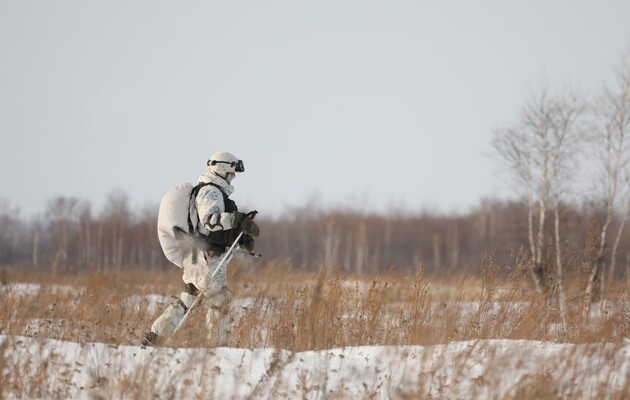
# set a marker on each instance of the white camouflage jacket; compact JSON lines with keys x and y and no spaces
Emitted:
{"x":210,"y":205}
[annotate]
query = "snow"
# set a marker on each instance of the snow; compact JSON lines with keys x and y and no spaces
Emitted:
{"x":33,"y":289}
{"x":479,"y":369}
{"x":33,"y":366}
{"x":149,"y":303}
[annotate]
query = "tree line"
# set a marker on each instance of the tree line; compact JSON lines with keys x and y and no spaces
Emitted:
{"x":73,"y":238}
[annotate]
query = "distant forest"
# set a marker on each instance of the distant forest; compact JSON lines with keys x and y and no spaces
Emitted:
{"x":71,"y":238}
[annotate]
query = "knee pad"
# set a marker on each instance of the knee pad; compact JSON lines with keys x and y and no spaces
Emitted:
{"x":187,"y":299}
{"x":166,"y":323}
{"x":220,"y":300}
{"x":219,"y":327}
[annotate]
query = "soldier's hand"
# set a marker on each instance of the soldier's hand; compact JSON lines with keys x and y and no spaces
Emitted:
{"x":246,"y":224}
{"x":247,"y":243}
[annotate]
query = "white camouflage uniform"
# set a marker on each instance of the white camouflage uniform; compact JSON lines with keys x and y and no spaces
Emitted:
{"x":217,"y":296}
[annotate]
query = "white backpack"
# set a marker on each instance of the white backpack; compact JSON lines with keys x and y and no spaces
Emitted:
{"x":177,"y":220}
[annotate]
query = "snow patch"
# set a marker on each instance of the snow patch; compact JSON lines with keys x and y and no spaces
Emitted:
{"x":462,"y":370}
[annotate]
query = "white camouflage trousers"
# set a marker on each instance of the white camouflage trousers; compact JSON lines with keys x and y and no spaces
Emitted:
{"x":217,"y":298}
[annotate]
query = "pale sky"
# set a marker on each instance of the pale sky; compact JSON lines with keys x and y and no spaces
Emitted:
{"x":366,"y":104}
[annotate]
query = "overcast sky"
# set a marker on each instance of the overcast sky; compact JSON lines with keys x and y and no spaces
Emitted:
{"x":369,"y":104}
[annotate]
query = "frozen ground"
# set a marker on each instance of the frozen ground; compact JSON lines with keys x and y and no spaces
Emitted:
{"x":44,"y":368}
{"x":35,"y":367}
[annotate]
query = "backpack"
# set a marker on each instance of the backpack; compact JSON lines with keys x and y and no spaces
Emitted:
{"x":177,"y":220}
{"x":177,"y":224}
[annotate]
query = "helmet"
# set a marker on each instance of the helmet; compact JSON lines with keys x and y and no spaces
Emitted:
{"x":225,"y":165}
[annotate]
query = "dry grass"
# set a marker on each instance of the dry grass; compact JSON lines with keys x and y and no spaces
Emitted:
{"x":299,"y":311}
{"x":304,"y":311}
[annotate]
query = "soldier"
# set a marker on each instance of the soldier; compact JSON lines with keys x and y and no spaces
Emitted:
{"x":215,"y":223}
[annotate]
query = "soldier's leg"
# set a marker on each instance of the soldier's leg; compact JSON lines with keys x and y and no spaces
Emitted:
{"x":217,"y":295}
{"x":195,"y":268}
{"x":165,"y":324}
{"x":218,"y":320}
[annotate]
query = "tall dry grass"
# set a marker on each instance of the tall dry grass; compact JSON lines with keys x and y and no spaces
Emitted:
{"x":277,"y":307}
{"x":298,"y":311}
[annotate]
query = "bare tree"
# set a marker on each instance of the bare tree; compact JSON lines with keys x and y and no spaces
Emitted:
{"x":452,"y":245}
{"x":435,"y":246}
{"x":9,"y":227}
{"x":331,"y":240}
{"x":37,"y":231}
{"x":610,"y":138}
{"x":361,"y":249}
{"x":86,"y":254}
{"x":117,"y":217}
{"x":539,"y":153}
{"x":63,"y":212}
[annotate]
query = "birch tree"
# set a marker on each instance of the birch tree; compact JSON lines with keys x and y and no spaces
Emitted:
{"x":116,"y":217}
{"x":539,"y":155}
{"x":610,"y":139}
{"x":63,"y":213}
{"x":332,"y":241}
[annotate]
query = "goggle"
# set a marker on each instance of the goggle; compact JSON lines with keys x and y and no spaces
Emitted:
{"x":237,"y":165}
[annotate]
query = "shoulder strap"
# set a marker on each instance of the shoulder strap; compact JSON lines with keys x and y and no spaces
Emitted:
{"x":230,"y":206}
{"x":192,"y":228}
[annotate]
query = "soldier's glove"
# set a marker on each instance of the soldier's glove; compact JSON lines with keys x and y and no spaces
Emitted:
{"x":245,"y":223}
{"x":246,"y":242}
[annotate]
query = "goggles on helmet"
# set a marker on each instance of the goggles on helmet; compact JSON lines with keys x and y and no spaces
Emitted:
{"x":237,"y":165}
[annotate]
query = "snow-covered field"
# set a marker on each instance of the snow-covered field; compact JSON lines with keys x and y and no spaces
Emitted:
{"x":482,"y":369}
{"x":33,"y":365}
